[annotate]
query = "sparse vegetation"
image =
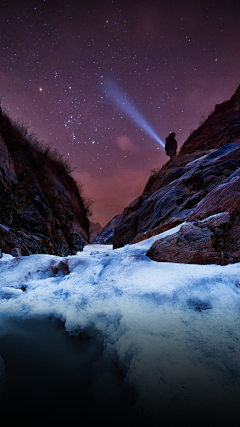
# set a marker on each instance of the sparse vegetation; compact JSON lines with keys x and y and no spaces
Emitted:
{"x":88,"y":202}
{"x":154,"y":170}
{"x":16,"y":132}
{"x":51,"y":154}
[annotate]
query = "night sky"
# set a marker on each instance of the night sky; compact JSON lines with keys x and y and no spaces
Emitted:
{"x":174,"y":60}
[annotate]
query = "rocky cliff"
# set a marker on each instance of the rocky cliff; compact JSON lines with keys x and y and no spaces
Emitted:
{"x":202,"y":181}
{"x":106,"y":235}
{"x":41,"y":208}
{"x":94,"y":230}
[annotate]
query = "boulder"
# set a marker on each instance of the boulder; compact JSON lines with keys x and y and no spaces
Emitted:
{"x":201,"y":242}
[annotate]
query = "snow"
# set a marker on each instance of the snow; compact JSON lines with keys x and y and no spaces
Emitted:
{"x":199,"y":158}
{"x":175,"y":328}
{"x":4,"y":227}
{"x":213,"y":216}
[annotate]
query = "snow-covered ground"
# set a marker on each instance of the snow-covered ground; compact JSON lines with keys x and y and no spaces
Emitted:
{"x":174,"y":328}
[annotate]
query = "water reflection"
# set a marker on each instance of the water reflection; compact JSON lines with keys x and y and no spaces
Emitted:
{"x":49,"y":373}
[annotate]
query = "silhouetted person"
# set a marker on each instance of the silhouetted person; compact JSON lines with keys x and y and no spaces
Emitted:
{"x":171,"y":145}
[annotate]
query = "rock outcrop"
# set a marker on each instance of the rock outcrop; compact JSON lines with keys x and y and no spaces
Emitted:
{"x":201,"y":181}
{"x":41,"y":207}
{"x":94,"y":230}
{"x":106,"y":235}
{"x":201,"y":242}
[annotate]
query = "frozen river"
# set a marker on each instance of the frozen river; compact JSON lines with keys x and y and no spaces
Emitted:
{"x":115,"y":334}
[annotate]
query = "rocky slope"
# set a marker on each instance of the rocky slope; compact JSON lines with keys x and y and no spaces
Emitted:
{"x":201,"y":181}
{"x":106,"y":235}
{"x":41,"y":208}
{"x":94,"y":230}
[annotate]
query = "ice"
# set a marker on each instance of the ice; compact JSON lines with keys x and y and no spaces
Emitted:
{"x":199,"y":159}
{"x":4,"y":227}
{"x":174,"y":328}
{"x":213,"y":216}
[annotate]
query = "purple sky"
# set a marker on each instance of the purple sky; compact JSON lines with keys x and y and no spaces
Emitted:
{"x":174,"y":60}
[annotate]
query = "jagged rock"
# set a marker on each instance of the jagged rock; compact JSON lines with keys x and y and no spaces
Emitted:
{"x":106,"y":235}
{"x":94,"y":230}
{"x":41,"y":208}
{"x":173,"y":222}
{"x":202,"y":180}
{"x":15,"y":252}
{"x":59,"y":269}
{"x":175,"y":202}
{"x":202,"y":242}
{"x":26,"y":242}
{"x":224,"y":197}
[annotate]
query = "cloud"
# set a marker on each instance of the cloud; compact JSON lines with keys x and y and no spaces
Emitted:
{"x":126,"y":144}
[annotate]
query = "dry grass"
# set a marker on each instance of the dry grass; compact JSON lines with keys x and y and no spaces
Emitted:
{"x":46,"y":153}
{"x":15,"y":133}
{"x":154,"y":171}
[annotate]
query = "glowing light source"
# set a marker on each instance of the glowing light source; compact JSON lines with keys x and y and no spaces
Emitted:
{"x":125,"y":105}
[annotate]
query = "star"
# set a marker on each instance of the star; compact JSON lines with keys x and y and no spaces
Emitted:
{"x":165,"y":70}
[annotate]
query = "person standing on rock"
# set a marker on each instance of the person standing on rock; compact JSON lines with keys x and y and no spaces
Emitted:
{"x":171,"y":145}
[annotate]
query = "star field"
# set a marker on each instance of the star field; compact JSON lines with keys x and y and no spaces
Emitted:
{"x":173,"y":60}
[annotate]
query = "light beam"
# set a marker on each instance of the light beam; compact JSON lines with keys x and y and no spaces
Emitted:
{"x":114,"y":93}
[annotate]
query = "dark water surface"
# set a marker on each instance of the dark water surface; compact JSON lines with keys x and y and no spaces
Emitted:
{"x":51,"y":376}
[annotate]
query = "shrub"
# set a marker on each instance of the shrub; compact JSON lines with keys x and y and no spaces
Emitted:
{"x":17,"y":129}
{"x":154,"y":170}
